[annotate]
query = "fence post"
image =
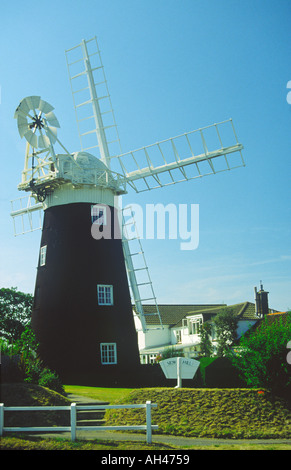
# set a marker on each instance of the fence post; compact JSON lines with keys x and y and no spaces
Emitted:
{"x":149,"y":421}
{"x":73,"y":414}
{"x":1,"y":418}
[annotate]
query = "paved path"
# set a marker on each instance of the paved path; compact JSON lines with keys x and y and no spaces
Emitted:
{"x":81,"y":400}
{"x":185,"y":442}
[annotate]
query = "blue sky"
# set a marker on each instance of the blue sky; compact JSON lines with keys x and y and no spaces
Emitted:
{"x":171,"y":66}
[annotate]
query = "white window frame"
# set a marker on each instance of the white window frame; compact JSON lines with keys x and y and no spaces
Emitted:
{"x":42,"y":258}
{"x":144,"y":359}
{"x":105,"y":294}
{"x":194,"y":326}
{"x":108,"y":353}
{"x":178,"y":335}
{"x":98,"y":214}
{"x":152,"y":358}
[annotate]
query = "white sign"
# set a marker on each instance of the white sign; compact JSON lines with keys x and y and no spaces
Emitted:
{"x":179,"y":368}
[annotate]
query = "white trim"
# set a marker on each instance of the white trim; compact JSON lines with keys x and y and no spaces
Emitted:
{"x":194,"y":325}
{"x":69,"y":194}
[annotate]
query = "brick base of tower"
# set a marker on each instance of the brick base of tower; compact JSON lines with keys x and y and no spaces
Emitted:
{"x":70,"y":324}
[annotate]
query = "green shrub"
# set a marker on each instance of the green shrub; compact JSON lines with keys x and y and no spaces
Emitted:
{"x":51,"y":380}
{"x":31,"y":369}
{"x":261,"y":358}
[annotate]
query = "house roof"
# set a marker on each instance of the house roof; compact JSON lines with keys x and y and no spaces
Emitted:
{"x":173,"y":314}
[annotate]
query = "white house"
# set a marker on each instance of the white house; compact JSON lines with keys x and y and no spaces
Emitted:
{"x":181,"y":327}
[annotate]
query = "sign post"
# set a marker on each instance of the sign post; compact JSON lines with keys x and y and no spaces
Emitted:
{"x":179,"y":368}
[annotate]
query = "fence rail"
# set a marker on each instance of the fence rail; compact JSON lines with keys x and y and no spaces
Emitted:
{"x":73,"y":428}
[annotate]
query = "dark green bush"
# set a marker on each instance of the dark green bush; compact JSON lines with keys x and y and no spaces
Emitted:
{"x":51,"y":380}
{"x":261,"y":358}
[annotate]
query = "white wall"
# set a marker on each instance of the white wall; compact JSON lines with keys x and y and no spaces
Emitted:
{"x":153,"y":337}
{"x":157,"y":337}
{"x":186,"y":338}
{"x":166,"y":336}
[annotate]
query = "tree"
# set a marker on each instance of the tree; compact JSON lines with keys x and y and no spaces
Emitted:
{"x":225,"y":324}
{"x":262,"y":355}
{"x":20,"y":340}
{"x":27,"y":345}
{"x":15,"y":313}
{"x":206,"y":347}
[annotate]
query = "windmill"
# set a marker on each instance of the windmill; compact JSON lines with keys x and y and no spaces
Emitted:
{"x":82,"y":312}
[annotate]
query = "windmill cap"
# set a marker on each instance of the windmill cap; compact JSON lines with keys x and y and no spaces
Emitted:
{"x":90,"y":169}
{"x":87,"y":160}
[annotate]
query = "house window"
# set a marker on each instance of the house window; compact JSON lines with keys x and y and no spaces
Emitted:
{"x":144,"y":359}
{"x":98,"y":214}
{"x":108,"y":353}
{"x":152,"y":358}
{"x":194,"y":326}
{"x":42,"y":259}
{"x":178,"y":334}
{"x":105,"y":294}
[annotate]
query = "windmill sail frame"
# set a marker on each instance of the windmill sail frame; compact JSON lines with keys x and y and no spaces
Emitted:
{"x":138,"y":272}
{"x":92,"y":101}
{"x":184,"y":163}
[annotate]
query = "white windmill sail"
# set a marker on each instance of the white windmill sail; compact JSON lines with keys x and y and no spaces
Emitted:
{"x":138,"y":272}
{"x":27,"y":215}
{"x":94,"y":113}
{"x":205,"y":151}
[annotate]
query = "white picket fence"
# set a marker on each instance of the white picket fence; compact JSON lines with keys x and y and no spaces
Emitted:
{"x":73,"y":428}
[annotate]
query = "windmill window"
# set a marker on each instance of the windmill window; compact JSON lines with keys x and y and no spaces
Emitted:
{"x":105,"y":294}
{"x":98,"y":214}
{"x":108,"y":353}
{"x":42,"y":260}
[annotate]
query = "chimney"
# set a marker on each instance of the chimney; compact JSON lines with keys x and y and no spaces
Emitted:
{"x":261,"y":302}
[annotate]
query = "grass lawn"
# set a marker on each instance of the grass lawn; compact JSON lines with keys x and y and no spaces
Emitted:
{"x":25,"y":442}
{"x":97,"y":393}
